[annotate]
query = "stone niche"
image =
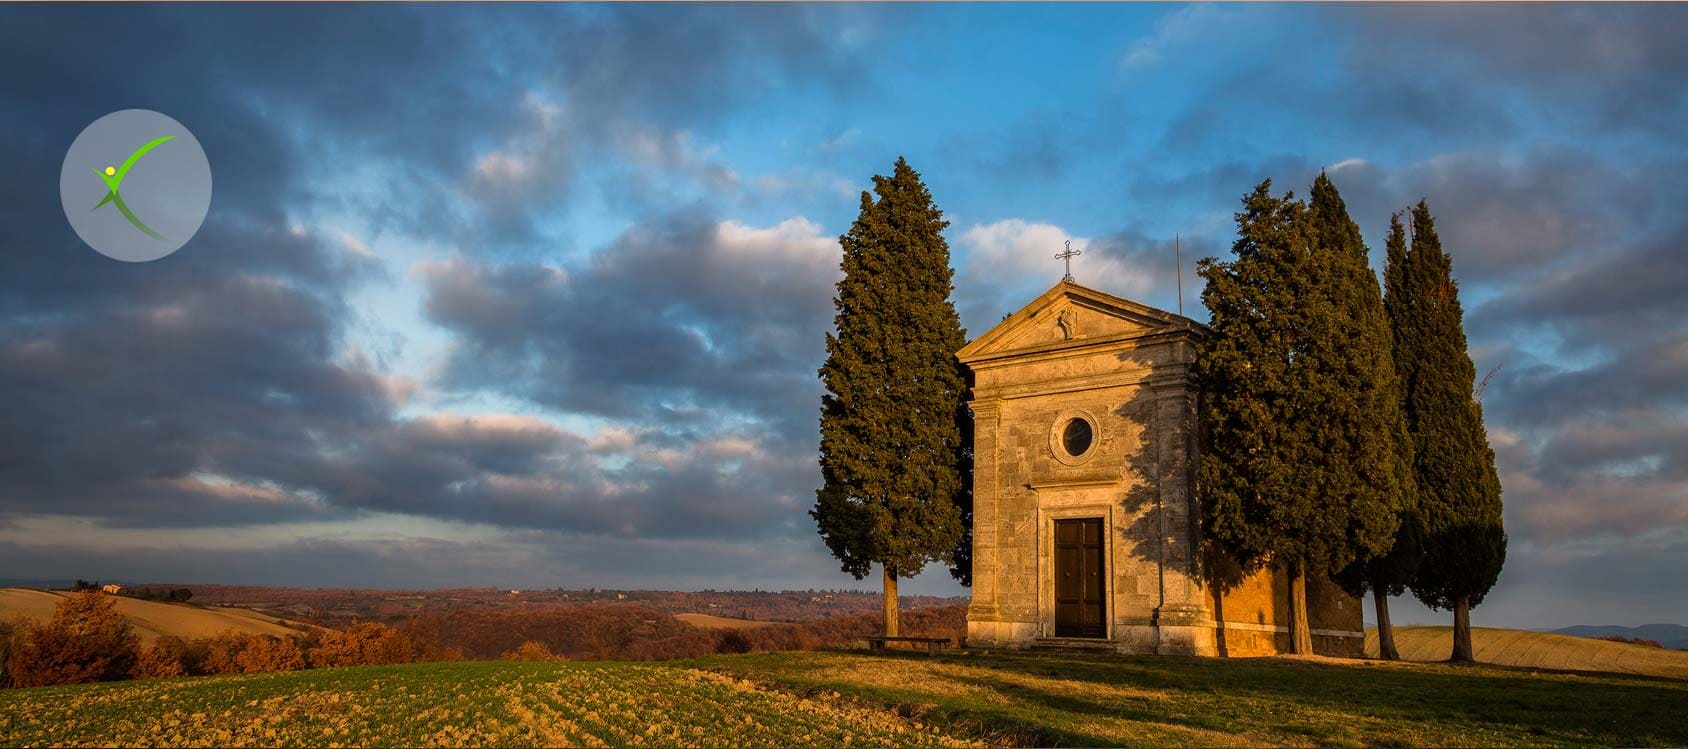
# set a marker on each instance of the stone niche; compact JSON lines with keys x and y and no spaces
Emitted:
{"x":1086,"y":527}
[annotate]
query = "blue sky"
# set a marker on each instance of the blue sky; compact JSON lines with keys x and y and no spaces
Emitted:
{"x":534,"y":295}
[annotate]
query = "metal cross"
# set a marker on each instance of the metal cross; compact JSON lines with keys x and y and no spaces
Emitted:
{"x":1068,"y":258}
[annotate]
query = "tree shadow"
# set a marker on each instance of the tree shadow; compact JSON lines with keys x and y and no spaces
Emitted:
{"x":1625,"y":709}
{"x":1161,"y":502}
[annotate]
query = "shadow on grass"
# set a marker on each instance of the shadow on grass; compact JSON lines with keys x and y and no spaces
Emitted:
{"x":1157,"y":700}
{"x":1560,"y":707}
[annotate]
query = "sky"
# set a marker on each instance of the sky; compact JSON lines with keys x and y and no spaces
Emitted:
{"x":535,"y":295}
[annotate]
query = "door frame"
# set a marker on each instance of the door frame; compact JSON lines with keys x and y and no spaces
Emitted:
{"x":1082,"y":509}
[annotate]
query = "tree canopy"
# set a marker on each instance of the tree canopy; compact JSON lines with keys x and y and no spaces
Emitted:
{"x":1464,"y":543}
{"x":1300,"y":463}
{"x":893,"y":414}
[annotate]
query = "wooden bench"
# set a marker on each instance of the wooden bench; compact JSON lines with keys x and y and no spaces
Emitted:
{"x":934,"y":645}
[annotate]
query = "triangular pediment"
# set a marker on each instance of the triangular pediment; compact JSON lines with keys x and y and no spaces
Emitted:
{"x":1070,"y":314}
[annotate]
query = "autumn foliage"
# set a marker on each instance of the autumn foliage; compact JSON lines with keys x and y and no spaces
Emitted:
{"x":374,"y":643}
{"x":1632,"y":640}
{"x":241,"y":653}
{"x":636,"y":633}
{"x":163,"y":659}
{"x":86,"y":640}
{"x":89,"y":640}
{"x":531,"y":651}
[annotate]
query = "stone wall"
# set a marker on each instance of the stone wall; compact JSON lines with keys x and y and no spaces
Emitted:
{"x":1125,"y":369}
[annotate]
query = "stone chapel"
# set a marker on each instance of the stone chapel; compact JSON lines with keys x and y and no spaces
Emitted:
{"x":1086,"y":526}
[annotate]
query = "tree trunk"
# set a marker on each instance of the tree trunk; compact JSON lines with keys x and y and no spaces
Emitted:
{"x":1385,"y":631}
{"x":890,"y":601}
{"x":1462,"y":631}
{"x":1300,"y":632}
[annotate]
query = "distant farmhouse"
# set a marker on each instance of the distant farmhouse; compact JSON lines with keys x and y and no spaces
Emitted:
{"x":112,"y":588}
{"x":1086,"y":523}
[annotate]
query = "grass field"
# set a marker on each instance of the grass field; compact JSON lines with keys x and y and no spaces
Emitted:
{"x":711,"y":621}
{"x":1169,"y":701}
{"x":484,"y":703}
{"x":837,"y":698}
{"x":153,"y":619}
{"x":1512,"y":647}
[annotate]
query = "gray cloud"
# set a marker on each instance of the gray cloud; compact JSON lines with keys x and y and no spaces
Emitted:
{"x":523,"y":559}
{"x":680,"y":315}
{"x":1602,"y":68}
{"x":219,"y":387}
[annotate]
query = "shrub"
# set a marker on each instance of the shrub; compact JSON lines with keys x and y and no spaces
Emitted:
{"x":733,"y":641}
{"x":531,"y":651}
{"x":427,"y":642}
{"x":221,"y":653}
{"x":86,"y":640}
{"x":270,"y":653}
{"x":163,"y":659}
{"x":1631,"y":640}
{"x":238,"y":653}
{"x":362,"y":644}
{"x":12,"y":633}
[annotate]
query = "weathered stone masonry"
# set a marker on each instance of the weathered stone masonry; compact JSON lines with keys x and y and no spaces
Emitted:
{"x":1124,"y":369}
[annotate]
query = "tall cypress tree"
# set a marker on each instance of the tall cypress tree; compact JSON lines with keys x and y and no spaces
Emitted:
{"x":1464,"y":544}
{"x":891,"y":418}
{"x":1388,"y":574}
{"x":1293,"y":470}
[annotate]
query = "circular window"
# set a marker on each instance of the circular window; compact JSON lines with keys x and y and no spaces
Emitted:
{"x":1076,"y":437}
{"x":1073,"y":437}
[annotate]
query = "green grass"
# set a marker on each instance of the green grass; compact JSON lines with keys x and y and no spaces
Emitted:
{"x":488,"y":703}
{"x":1161,"y":701}
{"x":1515,"y":647}
{"x":833,"y":699}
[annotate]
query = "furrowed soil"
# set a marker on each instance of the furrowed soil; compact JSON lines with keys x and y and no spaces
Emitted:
{"x":853,"y":699}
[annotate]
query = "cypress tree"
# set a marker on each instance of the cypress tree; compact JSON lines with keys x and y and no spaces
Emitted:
{"x":1388,"y":574}
{"x":1293,"y":471}
{"x":891,"y":449}
{"x":1464,"y":544}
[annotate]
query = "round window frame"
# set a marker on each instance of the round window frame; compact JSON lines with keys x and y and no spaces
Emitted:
{"x":1057,"y":433}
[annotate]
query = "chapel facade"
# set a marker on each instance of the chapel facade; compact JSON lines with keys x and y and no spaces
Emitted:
{"x":1086,"y":525}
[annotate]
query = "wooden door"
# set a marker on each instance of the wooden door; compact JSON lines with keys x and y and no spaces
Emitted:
{"x":1079,"y":608}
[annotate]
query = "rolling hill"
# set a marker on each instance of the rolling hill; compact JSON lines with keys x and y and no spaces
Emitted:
{"x":1673,"y":636}
{"x":844,"y":699}
{"x":1515,"y":647}
{"x":710,"y":621}
{"x":153,"y":619}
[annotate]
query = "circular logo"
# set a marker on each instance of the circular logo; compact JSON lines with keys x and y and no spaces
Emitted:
{"x":135,"y":185}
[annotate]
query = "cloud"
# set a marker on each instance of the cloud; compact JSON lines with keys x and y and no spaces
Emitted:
{"x":544,"y":202}
{"x":523,"y":559}
{"x":1009,"y":262}
{"x":678,"y":318}
{"x":224,"y":386}
{"x":1602,"y":70}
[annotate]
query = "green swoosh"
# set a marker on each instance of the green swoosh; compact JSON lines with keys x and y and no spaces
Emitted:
{"x":115,"y":181}
{"x":124,"y":207}
{"x":123,"y":171}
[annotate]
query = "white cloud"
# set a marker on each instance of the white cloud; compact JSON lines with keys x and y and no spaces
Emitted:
{"x":1188,"y":23}
{"x":1018,"y":252}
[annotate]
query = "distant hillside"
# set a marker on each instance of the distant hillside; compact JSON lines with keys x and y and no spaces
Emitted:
{"x":706,"y":621}
{"x":1516,"y":647}
{"x":759,"y":605}
{"x":153,"y":619}
{"x":1669,"y":635}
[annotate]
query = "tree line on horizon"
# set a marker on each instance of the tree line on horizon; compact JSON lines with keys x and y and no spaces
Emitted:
{"x":1340,"y":433}
{"x":87,"y":640}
